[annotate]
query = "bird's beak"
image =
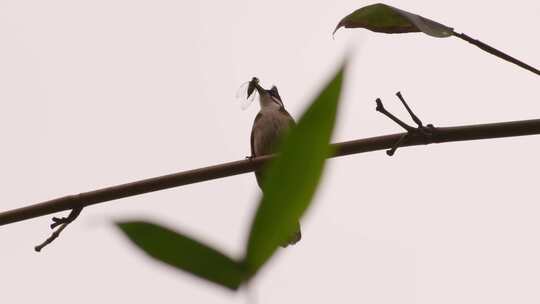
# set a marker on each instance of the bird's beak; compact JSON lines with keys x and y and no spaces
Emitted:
{"x":260,"y":89}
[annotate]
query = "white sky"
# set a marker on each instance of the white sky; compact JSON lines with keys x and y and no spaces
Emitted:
{"x":99,"y":93}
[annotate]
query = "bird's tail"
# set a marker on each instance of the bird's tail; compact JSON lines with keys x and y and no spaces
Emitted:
{"x":295,"y":238}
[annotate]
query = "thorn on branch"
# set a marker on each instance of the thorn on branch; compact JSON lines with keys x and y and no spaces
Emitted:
{"x":424,"y":132}
{"x":63,"y":222}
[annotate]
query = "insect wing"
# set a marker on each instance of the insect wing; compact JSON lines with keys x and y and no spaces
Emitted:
{"x":246,"y":94}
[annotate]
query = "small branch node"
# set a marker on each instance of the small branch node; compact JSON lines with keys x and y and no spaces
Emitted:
{"x":63,"y":222}
{"x":424,"y":132}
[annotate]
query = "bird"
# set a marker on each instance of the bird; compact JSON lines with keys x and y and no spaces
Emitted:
{"x":270,"y":125}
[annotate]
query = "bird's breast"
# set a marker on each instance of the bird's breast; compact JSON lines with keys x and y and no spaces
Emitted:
{"x":268,"y":130}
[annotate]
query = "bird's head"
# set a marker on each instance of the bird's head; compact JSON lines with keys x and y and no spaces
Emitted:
{"x":267,"y":97}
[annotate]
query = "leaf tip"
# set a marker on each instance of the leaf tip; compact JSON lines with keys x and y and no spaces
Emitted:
{"x":338,"y":26}
{"x":130,"y":228}
{"x":121,"y":225}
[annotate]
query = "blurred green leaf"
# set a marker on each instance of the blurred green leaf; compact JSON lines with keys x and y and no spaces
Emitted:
{"x":291,"y":179}
{"x":184,"y":253}
{"x":387,"y":19}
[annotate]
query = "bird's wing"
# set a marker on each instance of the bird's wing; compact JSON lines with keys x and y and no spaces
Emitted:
{"x":292,"y":123}
{"x":252,"y":131}
{"x":267,"y":138}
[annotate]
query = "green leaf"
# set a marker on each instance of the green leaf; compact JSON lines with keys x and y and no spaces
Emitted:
{"x":291,"y":179}
{"x":387,"y":19}
{"x":184,"y":253}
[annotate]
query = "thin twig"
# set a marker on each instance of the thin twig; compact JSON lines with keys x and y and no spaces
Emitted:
{"x":496,"y":52}
{"x":421,"y":131}
{"x":53,"y":237}
{"x":63,"y":223}
{"x":440,"y":135}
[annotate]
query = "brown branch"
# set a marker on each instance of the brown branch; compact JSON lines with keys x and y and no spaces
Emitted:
{"x":494,"y":51}
{"x":440,"y":135}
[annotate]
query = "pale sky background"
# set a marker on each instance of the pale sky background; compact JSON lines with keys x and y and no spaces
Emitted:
{"x":98,"y":93}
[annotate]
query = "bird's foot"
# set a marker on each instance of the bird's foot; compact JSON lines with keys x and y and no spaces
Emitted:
{"x":424,"y":132}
